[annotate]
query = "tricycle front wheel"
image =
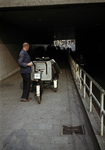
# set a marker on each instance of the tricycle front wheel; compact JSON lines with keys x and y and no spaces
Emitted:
{"x":55,"y":83}
{"x":39,"y":92}
{"x":39,"y":99}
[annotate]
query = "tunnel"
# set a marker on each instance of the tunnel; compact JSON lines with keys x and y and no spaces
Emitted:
{"x":43,"y":24}
{"x":38,"y":126}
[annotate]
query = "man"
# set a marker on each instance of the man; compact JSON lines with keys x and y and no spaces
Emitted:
{"x":25,"y":70}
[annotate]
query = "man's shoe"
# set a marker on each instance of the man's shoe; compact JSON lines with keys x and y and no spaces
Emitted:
{"x":29,"y":98}
{"x":24,"y":100}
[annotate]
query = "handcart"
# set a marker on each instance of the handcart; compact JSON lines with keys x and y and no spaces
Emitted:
{"x":45,"y":71}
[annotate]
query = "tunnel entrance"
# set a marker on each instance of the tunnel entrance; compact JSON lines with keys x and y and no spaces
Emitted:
{"x":45,"y":24}
{"x":54,"y":50}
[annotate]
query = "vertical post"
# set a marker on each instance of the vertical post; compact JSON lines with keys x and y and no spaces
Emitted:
{"x":76,"y":71}
{"x":101,"y":114}
{"x":75,"y":68}
{"x":84,"y":85}
{"x":80,"y":78}
{"x":90,"y":95}
{"x":72,"y":67}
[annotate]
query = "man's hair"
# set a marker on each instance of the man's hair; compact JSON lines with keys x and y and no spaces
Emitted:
{"x":25,"y":44}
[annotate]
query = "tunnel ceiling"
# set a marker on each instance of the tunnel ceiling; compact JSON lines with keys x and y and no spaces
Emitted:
{"x":60,"y":21}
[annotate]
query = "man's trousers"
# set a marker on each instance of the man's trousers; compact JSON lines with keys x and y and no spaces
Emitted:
{"x":26,"y":85}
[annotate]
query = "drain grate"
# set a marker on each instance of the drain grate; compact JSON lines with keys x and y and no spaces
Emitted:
{"x":70,"y":130}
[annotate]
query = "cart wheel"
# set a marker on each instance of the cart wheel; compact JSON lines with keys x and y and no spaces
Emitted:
{"x":55,"y":89}
{"x":39,"y":92}
{"x":55,"y":85}
{"x":39,"y":99}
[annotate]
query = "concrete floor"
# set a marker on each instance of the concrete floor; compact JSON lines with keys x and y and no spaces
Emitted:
{"x":33,"y":126}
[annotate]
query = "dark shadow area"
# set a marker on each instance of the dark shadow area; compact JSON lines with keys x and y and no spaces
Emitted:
{"x":44,"y":24}
{"x":12,"y":38}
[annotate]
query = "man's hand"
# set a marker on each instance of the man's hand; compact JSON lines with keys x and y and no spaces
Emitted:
{"x":30,"y":64}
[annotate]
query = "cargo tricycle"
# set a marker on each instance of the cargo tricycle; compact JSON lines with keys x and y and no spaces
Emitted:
{"x":45,"y":71}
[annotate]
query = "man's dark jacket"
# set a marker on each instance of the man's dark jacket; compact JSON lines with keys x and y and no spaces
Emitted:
{"x":23,"y":60}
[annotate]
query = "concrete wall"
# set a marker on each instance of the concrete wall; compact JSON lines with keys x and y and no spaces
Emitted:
{"x":11,"y":40}
{"x":10,"y":46}
{"x":16,"y":3}
{"x":8,"y":64}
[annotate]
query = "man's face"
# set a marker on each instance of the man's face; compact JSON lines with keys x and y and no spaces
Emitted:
{"x":27,"y":47}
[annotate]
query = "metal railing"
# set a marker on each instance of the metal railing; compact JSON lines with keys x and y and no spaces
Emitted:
{"x":81,"y":75}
